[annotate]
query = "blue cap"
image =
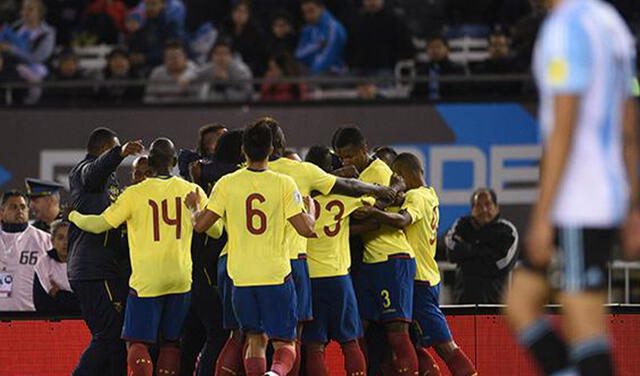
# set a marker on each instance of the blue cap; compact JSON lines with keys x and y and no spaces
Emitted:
{"x":40,"y":188}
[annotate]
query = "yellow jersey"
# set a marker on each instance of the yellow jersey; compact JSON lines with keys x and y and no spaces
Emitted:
{"x":159,"y":229}
{"x":423,"y":206}
{"x":328,"y":255}
{"x":386,"y":241}
{"x":308,"y":177}
{"x":256,"y":206}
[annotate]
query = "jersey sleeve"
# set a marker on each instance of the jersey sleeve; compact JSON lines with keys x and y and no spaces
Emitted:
{"x":292,"y":198}
{"x":320,"y":180}
{"x":217,"y":200}
{"x":120,"y":211}
{"x":413,"y":204}
{"x":567,"y":59}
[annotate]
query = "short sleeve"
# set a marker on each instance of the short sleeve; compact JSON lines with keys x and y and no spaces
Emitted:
{"x":120,"y":211}
{"x":413,"y":204}
{"x":567,"y":58}
{"x":217,"y":200}
{"x":292,"y":198}
{"x":320,"y":180}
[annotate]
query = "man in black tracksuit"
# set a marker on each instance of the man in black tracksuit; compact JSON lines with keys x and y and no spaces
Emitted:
{"x":94,"y":270}
{"x":485,"y":247}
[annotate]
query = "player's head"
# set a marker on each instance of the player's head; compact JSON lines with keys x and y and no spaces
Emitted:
{"x":101,"y":140}
{"x":277,"y":135}
{"x":351,"y":147}
{"x":386,"y":154}
{"x":140,"y":169}
{"x":484,"y":205}
{"x":409,"y":167}
{"x":229,"y":148}
{"x":320,"y":156}
{"x":14,"y":208}
{"x":59,"y":237}
{"x":208,"y":136}
{"x":162,"y":156}
{"x":257,"y":142}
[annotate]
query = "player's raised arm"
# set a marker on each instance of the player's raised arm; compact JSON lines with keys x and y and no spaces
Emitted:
{"x":95,"y":224}
{"x":355,"y":188}
{"x":399,"y":220}
{"x":112,"y":217}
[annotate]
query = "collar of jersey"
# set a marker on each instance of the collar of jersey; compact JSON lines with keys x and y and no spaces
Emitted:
{"x":254,"y":170}
{"x":14,"y":227}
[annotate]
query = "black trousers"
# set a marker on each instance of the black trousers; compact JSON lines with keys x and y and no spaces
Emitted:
{"x":102,"y":305}
{"x":203,"y":335}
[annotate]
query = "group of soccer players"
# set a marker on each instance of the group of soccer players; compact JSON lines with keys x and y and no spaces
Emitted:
{"x":285,"y":275}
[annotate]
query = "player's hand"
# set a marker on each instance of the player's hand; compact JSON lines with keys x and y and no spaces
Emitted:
{"x":310,"y":205}
{"x":347,"y":172}
{"x":539,"y":242}
{"x":384,"y":193}
{"x":631,"y":235}
{"x":364,"y":212}
{"x":192,"y":200}
{"x":131,"y":148}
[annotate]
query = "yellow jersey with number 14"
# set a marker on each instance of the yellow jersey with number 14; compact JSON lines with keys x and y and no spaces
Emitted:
{"x":423,"y":206}
{"x":308,"y":177}
{"x":329,"y":254}
{"x":159,"y":229}
{"x":256,"y":206}
{"x":387,"y":241}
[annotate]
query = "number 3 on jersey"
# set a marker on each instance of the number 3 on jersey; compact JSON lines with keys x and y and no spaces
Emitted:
{"x":331,"y":232}
{"x":256,"y":219}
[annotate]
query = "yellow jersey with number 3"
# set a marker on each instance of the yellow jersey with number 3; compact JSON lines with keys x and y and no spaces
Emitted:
{"x":329,"y":254}
{"x":159,"y":229}
{"x":308,"y":177}
{"x":380,"y":244}
{"x":423,"y":206}
{"x":256,"y":206}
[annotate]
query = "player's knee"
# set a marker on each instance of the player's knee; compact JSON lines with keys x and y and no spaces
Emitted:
{"x":397,"y":327}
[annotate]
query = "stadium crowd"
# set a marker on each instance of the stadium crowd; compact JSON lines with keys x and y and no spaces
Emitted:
{"x":196,"y":50}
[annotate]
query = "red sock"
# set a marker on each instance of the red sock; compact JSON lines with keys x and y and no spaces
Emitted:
{"x":459,"y":364}
{"x":404,"y":354}
{"x":362,"y":341}
{"x":283,"y":360}
{"x":229,"y":361}
{"x":255,"y":366}
{"x":354,"y":362}
{"x":315,"y":362}
{"x":139,"y":361}
{"x":295,"y":370}
{"x":168,"y":361}
{"x":427,"y":366}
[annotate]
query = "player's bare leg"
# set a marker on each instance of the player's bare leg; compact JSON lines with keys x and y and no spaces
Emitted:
{"x":405,"y":360}
{"x":255,"y":360}
{"x":295,"y":371}
{"x":284,"y":356}
{"x":525,"y":308}
{"x":586,"y":330}
{"x":230,"y":360}
{"x":457,"y":361}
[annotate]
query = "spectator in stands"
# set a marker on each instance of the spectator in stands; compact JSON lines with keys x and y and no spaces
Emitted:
{"x":223,"y":76}
{"x":147,"y":44}
{"x":52,"y":292}
{"x":500,"y":60}
{"x":283,"y":36}
{"x":247,"y":37}
{"x":322,"y":40}
{"x":21,"y":245}
{"x":281,"y":66}
{"x":30,"y":42}
{"x":439,"y":64}
{"x":165,"y":83}
{"x":175,"y":11}
{"x":378,"y":39}
{"x":119,"y":68}
{"x":485,"y":247}
{"x":68,"y":70}
{"x":104,"y":20}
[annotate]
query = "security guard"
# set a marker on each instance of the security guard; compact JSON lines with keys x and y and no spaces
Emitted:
{"x":44,"y":202}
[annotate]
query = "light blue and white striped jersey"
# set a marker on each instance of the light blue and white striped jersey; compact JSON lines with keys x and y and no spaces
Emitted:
{"x":585,"y":48}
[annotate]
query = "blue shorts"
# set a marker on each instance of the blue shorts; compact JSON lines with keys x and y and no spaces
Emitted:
{"x":267,"y":309}
{"x":300,"y":274}
{"x":335,"y":311}
{"x":146,"y":318}
{"x":385,"y":289}
{"x":432,"y":325}
{"x":225,"y":286}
